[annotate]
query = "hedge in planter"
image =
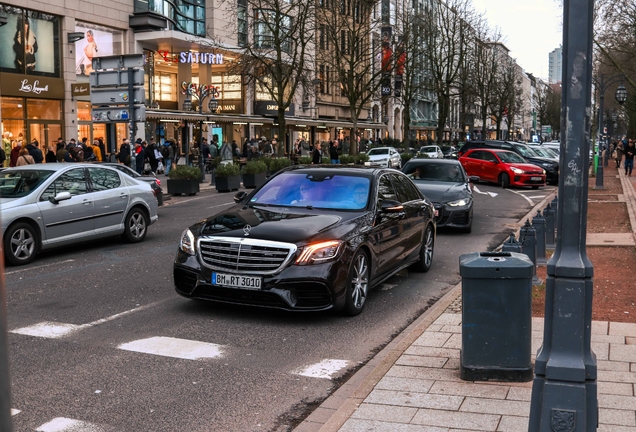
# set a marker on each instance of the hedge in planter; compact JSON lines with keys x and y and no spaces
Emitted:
{"x":254,"y":174}
{"x":227,"y":177}
{"x":183,"y":179}
{"x":278,"y":164}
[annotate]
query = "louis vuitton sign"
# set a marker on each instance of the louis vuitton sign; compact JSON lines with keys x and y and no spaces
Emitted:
{"x":32,"y":87}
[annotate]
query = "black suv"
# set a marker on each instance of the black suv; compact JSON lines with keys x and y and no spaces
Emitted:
{"x":550,"y":166}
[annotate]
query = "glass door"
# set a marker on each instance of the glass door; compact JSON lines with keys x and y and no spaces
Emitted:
{"x":46,"y":134}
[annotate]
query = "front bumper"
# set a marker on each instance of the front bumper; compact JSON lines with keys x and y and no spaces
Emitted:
{"x":453,"y":217}
{"x":314,"y":287}
{"x":526,"y":180}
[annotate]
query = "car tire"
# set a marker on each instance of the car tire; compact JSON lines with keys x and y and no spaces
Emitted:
{"x":135,"y":225}
{"x":389,"y":164}
{"x":358,"y":284}
{"x":535,"y":187}
{"x":504,"y":180}
{"x":21,"y":244}
{"x":468,"y":229}
{"x":427,"y":250}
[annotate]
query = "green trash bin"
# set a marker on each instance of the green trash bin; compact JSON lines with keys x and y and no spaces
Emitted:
{"x":496,"y":316}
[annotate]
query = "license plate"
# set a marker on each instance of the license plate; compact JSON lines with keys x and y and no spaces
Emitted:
{"x":535,"y":178}
{"x":436,"y":212}
{"x":235,"y":281}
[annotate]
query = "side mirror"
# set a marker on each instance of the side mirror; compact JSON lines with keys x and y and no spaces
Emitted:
{"x":473,"y":179}
{"x":62,"y":196}
{"x":240,"y":196}
{"x":391,"y":206}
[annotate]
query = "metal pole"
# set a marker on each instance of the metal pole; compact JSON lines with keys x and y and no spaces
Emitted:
{"x":201,"y":164}
{"x":564,"y":391}
{"x":599,"y":168}
{"x":5,"y":382}
{"x":131,"y":109}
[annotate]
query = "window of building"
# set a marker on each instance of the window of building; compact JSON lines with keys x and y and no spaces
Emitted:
{"x":39,"y":109}
{"x":165,"y":87}
{"x":242,"y":23}
{"x":265,"y":21}
{"x":187,"y":16}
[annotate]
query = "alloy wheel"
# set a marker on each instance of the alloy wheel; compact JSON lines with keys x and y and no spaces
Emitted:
{"x":22,"y":244}
{"x":428,"y":248}
{"x":360,"y":281}
{"x":137,"y":225}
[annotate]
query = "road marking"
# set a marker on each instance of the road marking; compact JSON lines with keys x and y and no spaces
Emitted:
{"x":324,"y":369}
{"x":55,"y":330}
{"x":38,"y":267}
{"x":521,"y":195}
{"x":63,"y":424}
{"x":14,"y":411}
{"x":538,"y":196}
{"x":492,"y":194}
{"x":221,"y":205}
{"x":173,"y":347}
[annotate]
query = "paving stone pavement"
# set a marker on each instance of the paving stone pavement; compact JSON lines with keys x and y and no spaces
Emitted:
{"x":413,"y":385}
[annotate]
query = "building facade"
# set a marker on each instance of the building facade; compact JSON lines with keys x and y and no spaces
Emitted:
{"x":555,"y":65}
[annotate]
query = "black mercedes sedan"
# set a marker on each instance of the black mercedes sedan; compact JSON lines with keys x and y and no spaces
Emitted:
{"x":445,"y":183}
{"x":309,"y":239}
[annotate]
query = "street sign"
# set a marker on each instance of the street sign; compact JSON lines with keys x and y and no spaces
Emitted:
{"x":118,"y":62}
{"x":115,"y":78}
{"x":117,"y":96}
{"x":118,"y":114}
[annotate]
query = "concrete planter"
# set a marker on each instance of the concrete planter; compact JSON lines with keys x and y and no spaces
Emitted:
{"x":251,"y":181}
{"x":227,"y":184}
{"x":180,"y":186}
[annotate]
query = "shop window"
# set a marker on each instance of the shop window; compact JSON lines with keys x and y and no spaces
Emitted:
{"x":84,"y":111}
{"x":12,"y":108}
{"x":165,"y":87}
{"x":44,"y":109}
{"x":242,"y":23}
{"x":31,"y":43}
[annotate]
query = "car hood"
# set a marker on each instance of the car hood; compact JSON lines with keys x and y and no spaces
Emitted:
{"x":525,"y":167}
{"x":443,"y":191}
{"x":378,"y":156}
{"x":283,"y":224}
{"x":8,"y":203}
{"x":539,"y":160}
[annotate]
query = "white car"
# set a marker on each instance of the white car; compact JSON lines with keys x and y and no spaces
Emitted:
{"x":385,"y":156}
{"x":432,"y":151}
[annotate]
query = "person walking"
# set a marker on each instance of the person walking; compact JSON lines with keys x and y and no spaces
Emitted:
{"x":61,"y":151}
{"x":630,"y":151}
{"x":140,"y":157}
{"x":168,"y":155}
{"x":25,"y":158}
{"x":124,"y":153}
{"x":315,"y":154}
{"x":51,"y":157}
{"x":619,"y":154}
{"x":333,"y":153}
{"x":34,"y":151}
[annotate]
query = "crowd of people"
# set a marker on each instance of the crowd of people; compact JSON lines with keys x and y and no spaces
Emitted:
{"x":625,"y":148}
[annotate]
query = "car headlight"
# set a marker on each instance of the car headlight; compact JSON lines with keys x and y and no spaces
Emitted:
{"x":187,"y":242}
{"x":319,"y":252}
{"x":543,"y":171}
{"x":517,"y":170}
{"x":459,"y":203}
{"x":547,"y":165}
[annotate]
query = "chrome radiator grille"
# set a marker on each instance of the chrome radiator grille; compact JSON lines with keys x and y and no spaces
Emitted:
{"x":240,"y":255}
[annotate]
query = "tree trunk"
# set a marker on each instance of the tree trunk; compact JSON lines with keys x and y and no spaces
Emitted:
{"x":282,"y":135}
{"x":406,"y":127}
{"x":441,"y":118}
{"x":353,"y":137}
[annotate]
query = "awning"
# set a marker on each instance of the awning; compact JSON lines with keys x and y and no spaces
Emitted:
{"x":206,"y":117}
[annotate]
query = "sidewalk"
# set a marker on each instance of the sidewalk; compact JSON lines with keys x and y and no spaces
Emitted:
{"x":413,"y":384}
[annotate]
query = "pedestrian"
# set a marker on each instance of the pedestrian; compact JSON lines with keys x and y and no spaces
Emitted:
{"x":619,"y":154}
{"x":34,"y":151}
{"x":140,"y":157}
{"x":61,"y":150}
{"x":333,"y":152}
{"x":124,"y":152}
{"x":51,"y":157}
{"x":24,"y":158}
{"x":167,"y":151}
{"x":102,"y":148}
{"x":89,"y":155}
{"x":97,"y":151}
{"x":315,"y":154}
{"x":630,"y":151}
{"x":15,"y":154}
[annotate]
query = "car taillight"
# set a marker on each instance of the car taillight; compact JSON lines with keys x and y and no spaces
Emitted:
{"x":158,"y":182}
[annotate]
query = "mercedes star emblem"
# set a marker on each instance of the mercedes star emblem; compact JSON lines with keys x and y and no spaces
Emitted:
{"x":247,"y":229}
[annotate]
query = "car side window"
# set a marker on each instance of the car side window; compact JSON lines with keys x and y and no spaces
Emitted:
{"x":405,"y":190}
{"x":490,"y":157}
{"x":476,"y":155}
{"x":385,"y":190}
{"x":73,"y":181}
{"x":103,"y":179}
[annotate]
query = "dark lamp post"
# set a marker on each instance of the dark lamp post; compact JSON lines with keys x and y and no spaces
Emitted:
{"x":187,"y":105}
{"x":213,"y":105}
{"x":621,"y":94}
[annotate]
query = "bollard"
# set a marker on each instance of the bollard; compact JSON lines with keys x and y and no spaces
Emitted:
{"x":538,"y":223}
{"x":511,"y":245}
{"x":549,"y":216}
{"x":555,"y":207}
{"x":496,"y":316}
{"x":528,"y":237}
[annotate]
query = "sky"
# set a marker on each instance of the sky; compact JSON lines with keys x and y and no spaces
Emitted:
{"x":530,"y":29}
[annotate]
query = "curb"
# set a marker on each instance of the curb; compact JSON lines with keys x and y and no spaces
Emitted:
{"x":630,"y":199}
{"x":331,"y":415}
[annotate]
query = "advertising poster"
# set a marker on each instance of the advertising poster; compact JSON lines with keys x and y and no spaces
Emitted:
{"x":96,"y":43}
{"x":29,"y":43}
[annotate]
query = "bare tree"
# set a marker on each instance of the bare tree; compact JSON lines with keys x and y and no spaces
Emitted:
{"x":276,"y":48}
{"x":345,"y":48}
{"x":446,"y":33}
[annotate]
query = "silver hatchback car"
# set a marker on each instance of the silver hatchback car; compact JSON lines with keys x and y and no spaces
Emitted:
{"x":49,"y":205}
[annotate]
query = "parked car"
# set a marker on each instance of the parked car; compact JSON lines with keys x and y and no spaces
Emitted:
{"x":504,"y":167}
{"x":385,"y":156}
{"x":432,"y":151}
{"x":449,"y":152}
{"x":153,"y":181}
{"x":310,"y":238}
{"x":49,"y":205}
{"x":549,"y":165}
{"x":446,"y":184}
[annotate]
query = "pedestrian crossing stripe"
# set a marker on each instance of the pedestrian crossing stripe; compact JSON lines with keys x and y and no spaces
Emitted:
{"x":325,"y":369}
{"x":50,"y":330}
{"x":176,"y":348}
{"x":63,"y":424}
{"x":14,"y":411}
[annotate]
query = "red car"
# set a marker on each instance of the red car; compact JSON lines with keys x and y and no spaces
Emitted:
{"x":502,"y":166}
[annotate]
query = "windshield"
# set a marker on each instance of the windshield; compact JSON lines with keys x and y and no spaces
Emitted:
{"x":510,"y":157}
{"x":315,"y":190}
{"x":435,"y":172}
{"x":447,"y":149}
{"x":429,"y":149}
{"x":544,"y":152}
{"x":378,"y":151}
{"x":525,"y":151}
{"x":20,"y":183}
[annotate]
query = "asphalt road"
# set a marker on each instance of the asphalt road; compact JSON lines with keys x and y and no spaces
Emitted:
{"x":97,"y":333}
